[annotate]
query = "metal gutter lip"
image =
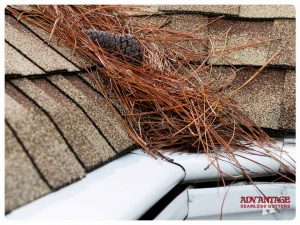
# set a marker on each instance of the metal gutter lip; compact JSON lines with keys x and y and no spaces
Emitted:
{"x":122,"y":189}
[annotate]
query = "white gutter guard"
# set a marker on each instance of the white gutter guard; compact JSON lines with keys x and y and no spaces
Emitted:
{"x":233,"y":206}
{"x":123,"y":189}
{"x":198,"y":170}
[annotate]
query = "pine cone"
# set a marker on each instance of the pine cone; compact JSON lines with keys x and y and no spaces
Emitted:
{"x":125,"y":45}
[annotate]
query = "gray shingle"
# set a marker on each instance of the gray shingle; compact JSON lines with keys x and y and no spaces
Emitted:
{"x":262,"y":97}
{"x":60,"y":47}
{"x":13,"y":60}
{"x":138,"y":10}
{"x":288,"y":111}
{"x":42,"y":140}
{"x":232,"y":40}
{"x":285,"y":30}
{"x":97,"y":108}
{"x":187,"y":24}
{"x":211,"y":9}
{"x":33,"y":47}
{"x":87,"y":142}
{"x":267,"y":11}
{"x":22,"y":181}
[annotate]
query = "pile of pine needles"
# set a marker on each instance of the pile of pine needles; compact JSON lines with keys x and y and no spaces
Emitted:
{"x":163,"y":107}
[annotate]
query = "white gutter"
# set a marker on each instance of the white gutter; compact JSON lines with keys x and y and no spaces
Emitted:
{"x":127,"y":187}
{"x":178,"y":209}
{"x":207,"y":203}
{"x":228,"y":199}
{"x":198,"y":170}
{"x":123,"y":189}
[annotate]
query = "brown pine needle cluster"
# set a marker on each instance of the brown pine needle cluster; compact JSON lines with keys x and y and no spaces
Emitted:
{"x":163,"y":107}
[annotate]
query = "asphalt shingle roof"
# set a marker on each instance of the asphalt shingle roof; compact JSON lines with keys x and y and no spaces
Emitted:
{"x":241,"y":26}
{"x":26,"y":42}
{"x":41,"y":139}
{"x":23,"y":182}
{"x":65,"y":126}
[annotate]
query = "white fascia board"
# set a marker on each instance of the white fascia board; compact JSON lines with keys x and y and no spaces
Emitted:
{"x":198,"y":170}
{"x":230,"y":197}
{"x":123,"y":189}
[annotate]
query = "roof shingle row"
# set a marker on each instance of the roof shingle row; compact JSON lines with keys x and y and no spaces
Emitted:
{"x":243,"y":11}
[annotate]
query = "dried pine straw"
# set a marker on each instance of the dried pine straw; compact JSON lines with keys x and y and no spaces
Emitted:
{"x":163,"y":108}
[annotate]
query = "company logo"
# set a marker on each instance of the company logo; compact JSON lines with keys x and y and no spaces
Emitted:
{"x":268,"y":204}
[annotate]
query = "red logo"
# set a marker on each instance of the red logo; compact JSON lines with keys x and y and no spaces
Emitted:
{"x":263,"y":202}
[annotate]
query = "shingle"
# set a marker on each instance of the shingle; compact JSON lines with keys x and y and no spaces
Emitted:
{"x":106,"y":85}
{"x":189,"y":23}
{"x":22,"y":7}
{"x":65,"y":51}
{"x":15,"y":63}
{"x":231,"y":40}
{"x":88,"y":80}
{"x":262,"y":97}
{"x":211,"y":9}
{"x":184,"y":23}
{"x":139,"y":10}
{"x":60,"y":47}
{"x":97,"y":108}
{"x":42,"y":140}
{"x":87,"y":142}
{"x":285,"y":30}
{"x":267,"y":11}
{"x":22,"y":181}
{"x":33,"y":47}
{"x":219,"y":75}
{"x":288,"y":111}
{"x":195,"y":25}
